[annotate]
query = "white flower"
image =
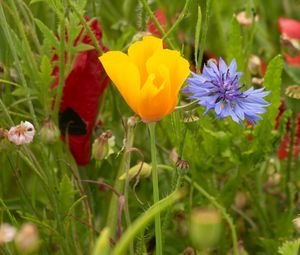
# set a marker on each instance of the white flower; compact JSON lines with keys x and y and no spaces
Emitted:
{"x":7,"y":233}
{"x":22,"y":133}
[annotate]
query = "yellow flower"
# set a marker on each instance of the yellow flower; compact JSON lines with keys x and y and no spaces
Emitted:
{"x":149,"y":77}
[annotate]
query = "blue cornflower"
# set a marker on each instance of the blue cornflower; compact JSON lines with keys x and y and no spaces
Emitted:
{"x":218,"y":88}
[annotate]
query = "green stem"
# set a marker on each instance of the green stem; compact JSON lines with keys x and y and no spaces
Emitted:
{"x":204,"y":34}
{"x":221,"y":209}
{"x":290,"y":155}
{"x":86,"y":26}
{"x":180,"y":18}
{"x":118,"y":186}
{"x":158,"y":238}
{"x":6,"y":30}
{"x":61,"y":81}
{"x":143,"y":221}
{"x":156,"y":23}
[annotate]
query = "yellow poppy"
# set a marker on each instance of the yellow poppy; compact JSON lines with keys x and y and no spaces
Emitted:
{"x":149,"y":77}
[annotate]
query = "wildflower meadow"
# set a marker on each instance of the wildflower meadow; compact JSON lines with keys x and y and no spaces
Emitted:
{"x":157,"y":127}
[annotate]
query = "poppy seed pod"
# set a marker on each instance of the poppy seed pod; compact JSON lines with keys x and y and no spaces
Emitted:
{"x":49,"y":132}
{"x":292,"y":94}
{"x":205,"y":228}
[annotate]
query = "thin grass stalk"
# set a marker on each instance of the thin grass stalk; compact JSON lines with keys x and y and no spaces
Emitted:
{"x":222,"y":210}
{"x":156,"y":23}
{"x":87,"y":27}
{"x":180,"y":18}
{"x":112,"y":215}
{"x":8,"y":36}
{"x":204,"y":33}
{"x":138,"y":225}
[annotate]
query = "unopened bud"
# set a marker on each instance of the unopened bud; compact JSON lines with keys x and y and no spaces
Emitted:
{"x":245,"y":20}
{"x":173,"y":156}
{"x":131,"y":122}
{"x":3,"y":133}
{"x":240,"y":200}
{"x":49,"y":132}
{"x":254,"y":64}
{"x":258,"y":81}
{"x":139,"y":170}
{"x":7,"y":233}
{"x":273,"y":180}
{"x":189,"y":251}
{"x":182,"y":166}
{"x":27,"y":239}
{"x":205,"y":228}
{"x":292,"y":94}
{"x":103,"y":146}
{"x":296,"y":223}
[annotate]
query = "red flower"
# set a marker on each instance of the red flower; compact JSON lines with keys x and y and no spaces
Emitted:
{"x":290,"y":29}
{"x":161,"y":18}
{"x":283,"y":149}
{"x":83,"y":88}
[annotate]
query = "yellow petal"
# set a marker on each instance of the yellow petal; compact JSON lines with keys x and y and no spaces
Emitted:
{"x":178,"y":69}
{"x":155,"y":96}
{"x":141,"y":51}
{"x":124,"y":74}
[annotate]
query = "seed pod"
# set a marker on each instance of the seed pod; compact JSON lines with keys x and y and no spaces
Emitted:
{"x":140,"y":170}
{"x":49,"y":132}
{"x":103,"y":146}
{"x":27,"y":240}
{"x":292,"y":94}
{"x":205,"y":228}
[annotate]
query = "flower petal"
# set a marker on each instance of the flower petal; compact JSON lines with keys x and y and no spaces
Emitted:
{"x":155,"y":100}
{"x":178,"y":70}
{"x":124,"y":74}
{"x":140,"y":51}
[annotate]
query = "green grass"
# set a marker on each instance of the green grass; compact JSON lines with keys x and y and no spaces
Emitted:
{"x":72,"y":205}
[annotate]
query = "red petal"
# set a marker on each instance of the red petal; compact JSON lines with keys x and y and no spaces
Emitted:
{"x":290,"y":27}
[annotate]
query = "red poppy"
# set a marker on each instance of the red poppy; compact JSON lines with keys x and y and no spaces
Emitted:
{"x":290,"y":28}
{"x":162,"y":20}
{"x":283,"y":149}
{"x":83,"y":88}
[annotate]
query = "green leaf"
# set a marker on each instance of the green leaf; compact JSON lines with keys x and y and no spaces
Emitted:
{"x":263,"y":130}
{"x":235,"y":49}
{"x":47,"y":33}
{"x":273,"y":83}
{"x":290,"y":248}
{"x":83,"y":47}
{"x":66,"y":194}
{"x":197,"y":35}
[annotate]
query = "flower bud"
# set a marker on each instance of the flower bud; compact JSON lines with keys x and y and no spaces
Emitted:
{"x":173,"y":156}
{"x":205,"y":228}
{"x":258,"y":81}
{"x":182,"y":166}
{"x":49,"y":132}
{"x":27,"y":239}
{"x":138,"y":170}
{"x":292,"y":94}
{"x":3,"y":133}
{"x":103,"y":146}
{"x":131,"y":122}
{"x":254,"y":64}
{"x":296,"y":223}
{"x":7,"y":233}
{"x":245,"y":20}
{"x":240,"y":200}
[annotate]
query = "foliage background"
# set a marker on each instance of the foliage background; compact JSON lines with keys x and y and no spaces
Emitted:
{"x":42,"y":184}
